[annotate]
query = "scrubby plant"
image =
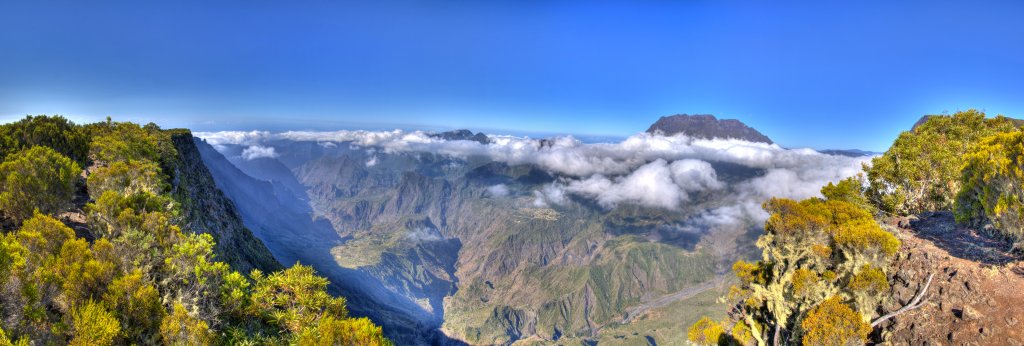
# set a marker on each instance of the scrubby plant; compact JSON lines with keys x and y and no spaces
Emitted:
{"x":992,"y":186}
{"x":813,"y":251}
{"x":38,"y":178}
{"x":833,"y":323}
{"x":141,"y":275}
{"x":921,"y":170}
{"x":54,"y":132}
{"x":706,"y":332}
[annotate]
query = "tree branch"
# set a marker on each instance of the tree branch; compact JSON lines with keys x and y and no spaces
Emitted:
{"x":913,"y":304}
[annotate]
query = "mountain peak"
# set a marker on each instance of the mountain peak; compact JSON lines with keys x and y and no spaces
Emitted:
{"x":707,"y":126}
{"x":464,"y":135}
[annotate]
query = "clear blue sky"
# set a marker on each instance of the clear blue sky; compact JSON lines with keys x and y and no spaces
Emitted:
{"x":812,"y":74}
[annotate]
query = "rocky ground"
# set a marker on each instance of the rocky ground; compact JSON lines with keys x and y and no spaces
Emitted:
{"x":976,"y":296}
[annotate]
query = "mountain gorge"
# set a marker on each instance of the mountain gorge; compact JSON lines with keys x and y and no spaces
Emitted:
{"x":499,"y":240}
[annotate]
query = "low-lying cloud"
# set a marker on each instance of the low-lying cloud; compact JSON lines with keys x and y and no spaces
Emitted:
{"x":257,"y":151}
{"x":650,"y":170}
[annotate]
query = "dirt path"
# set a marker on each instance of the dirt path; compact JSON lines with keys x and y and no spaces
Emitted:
{"x":977,"y":294}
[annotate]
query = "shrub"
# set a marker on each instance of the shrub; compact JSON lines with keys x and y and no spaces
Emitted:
{"x":706,"y":332}
{"x":55,"y":132}
{"x":920,"y":171}
{"x":833,"y":323}
{"x":811,"y":250}
{"x":37,"y":178}
{"x":94,"y":326}
{"x":992,"y":185}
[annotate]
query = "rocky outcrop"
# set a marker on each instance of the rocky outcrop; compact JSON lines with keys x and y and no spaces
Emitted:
{"x":706,"y":126}
{"x":975,"y":296}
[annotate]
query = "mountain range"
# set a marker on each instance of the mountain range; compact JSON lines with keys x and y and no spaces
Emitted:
{"x":461,"y":237}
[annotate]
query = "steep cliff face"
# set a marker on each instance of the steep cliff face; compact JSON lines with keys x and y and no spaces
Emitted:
{"x":284,"y":221}
{"x":207,"y":210}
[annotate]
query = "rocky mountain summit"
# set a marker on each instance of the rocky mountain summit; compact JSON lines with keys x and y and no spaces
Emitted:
{"x":707,"y":126}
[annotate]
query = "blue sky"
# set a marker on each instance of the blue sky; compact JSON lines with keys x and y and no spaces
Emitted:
{"x":816,"y":74}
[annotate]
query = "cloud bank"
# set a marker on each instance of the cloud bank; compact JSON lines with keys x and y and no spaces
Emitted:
{"x":650,"y":170}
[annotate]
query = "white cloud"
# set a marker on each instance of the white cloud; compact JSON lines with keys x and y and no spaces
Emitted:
{"x":372,"y":161}
{"x":497,"y":191}
{"x":651,"y":170}
{"x":256,"y":151}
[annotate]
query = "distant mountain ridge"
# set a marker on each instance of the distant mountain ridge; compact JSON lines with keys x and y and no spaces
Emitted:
{"x":706,"y":126}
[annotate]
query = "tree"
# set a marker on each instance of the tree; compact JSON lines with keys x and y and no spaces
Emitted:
{"x":993,"y":186}
{"x":812,"y":250}
{"x":93,"y":326}
{"x":37,"y":178}
{"x":921,"y":170}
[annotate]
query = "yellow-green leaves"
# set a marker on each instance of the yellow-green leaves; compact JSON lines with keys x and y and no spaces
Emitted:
{"x":36,"y":179}
{"x":295,"y":297}
{"x":993,"y":185}
{"x":920,"y":170}
{"x":705,"y":332}
{"x":812,"y":250}
{"x":182,"y":329}
{"x":833,"y":323}
{"x":93,"y":325}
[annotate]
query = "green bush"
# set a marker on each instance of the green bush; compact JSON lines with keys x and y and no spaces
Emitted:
{"x":36,"y":179}
{"x":812,"y":251}
{"x":56,"y":132}
{"x":992,"y":185}
{"x":921,"y":170}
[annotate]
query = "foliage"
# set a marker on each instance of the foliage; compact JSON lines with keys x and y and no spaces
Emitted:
{"x":850,"y":190}
{"x":833,"y":323}
{"x":706,"y":332}
{"x":126,"y":177}
{"x":94,"y":326}
{"x":181,"y":328}
{"x":36,"y":178}
{"x":992,"y":185}
{"x":812,"y":250}
{"x":56,"y":132}
{"x":141,"y":275}
{"x":921,"y":170}
{"x":295,"y":297}
{"x":122,"y":142}
{"x":136,"y":303}
{"x":331,"y":331}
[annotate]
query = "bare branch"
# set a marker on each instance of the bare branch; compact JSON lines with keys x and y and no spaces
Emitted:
{"x":913,"y":304}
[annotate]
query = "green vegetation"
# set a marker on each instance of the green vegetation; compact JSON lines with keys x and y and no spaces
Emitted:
{"x":819,"y":257}
{"x":139,"y":275}
{"x":823,"y":270}
{"x":992,"y":182}
{"x":36,"y":178}
{"x":921,"y":170}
